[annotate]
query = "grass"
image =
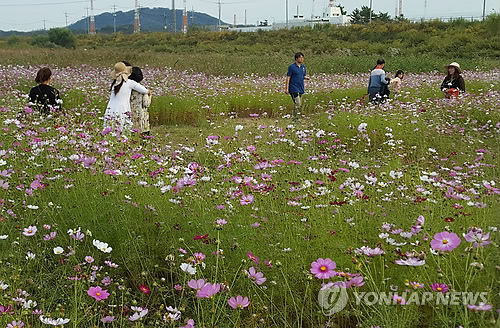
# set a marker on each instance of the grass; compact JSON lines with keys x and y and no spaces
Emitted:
{"x":299,"y":212}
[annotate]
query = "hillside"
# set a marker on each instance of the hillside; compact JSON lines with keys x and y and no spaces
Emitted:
{"x":152,"y":19}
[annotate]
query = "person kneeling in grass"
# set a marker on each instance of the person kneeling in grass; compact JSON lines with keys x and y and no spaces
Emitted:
{"x":453,"y":83}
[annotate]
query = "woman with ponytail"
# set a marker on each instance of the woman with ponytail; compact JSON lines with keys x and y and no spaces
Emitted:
{"x":117,"y":113}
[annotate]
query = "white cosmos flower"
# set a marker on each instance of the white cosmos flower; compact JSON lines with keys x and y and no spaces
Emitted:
{"x":3,"y":237}
{"x":29,"y":304}
{"x":58,"y":250}
{"x":30,"y":256}
{"x":3,"y":286}
{"x":103,"y":247}
{"x":186,"y":267}
{"x":53,"y":322}
{"x":138,"y":315}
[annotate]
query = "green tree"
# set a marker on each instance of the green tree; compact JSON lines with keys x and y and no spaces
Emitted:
{"x":362,"y":16}
{"x":383,"y":17}
{"x":62,"y":37}
{"x":342,"y":10}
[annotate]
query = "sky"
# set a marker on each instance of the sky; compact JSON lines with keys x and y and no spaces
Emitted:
{"x":27,"y":15}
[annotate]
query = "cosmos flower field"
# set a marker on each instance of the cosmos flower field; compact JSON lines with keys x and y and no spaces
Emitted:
{"x":229,"y":215}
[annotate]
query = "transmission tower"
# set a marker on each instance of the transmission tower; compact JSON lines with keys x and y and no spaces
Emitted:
{"x":92,"y":19}
{"x":137,"y":21}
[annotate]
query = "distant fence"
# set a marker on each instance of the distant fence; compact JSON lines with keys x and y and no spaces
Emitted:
{"x":447,"y":19}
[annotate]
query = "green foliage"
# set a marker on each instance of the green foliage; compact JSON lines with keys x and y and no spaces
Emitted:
{"x":62,"y":37}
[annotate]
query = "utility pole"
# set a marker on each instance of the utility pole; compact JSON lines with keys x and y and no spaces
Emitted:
{"x":484,"y":9}
{"x":370,"y":11}
{"x":192,"y":16}
{"x":246,"y":18}
{"x":286,"y":17}
{"x":166,"y":21}
{"x":400,"y":8}
{"x":44,"y":28}
{"x":174,"y":24}
{"x":87,"y":17}
{"x":114,"y":18}
{"x":66,"y":14}
{"x":92,"y":19}
{"x":220,"y":11}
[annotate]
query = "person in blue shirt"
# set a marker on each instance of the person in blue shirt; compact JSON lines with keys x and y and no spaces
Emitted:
{"x":378,"y":85}
{"x":295,"y":82}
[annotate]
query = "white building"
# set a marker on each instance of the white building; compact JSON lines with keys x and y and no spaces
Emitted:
{"x":331,"y":15}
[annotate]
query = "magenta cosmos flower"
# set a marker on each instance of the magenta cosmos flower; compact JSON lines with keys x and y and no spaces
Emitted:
{"x":323,"y":269}
{"x":98,"y":293}
{"x":441,"y":288}
{"x":398,"y":300}
{"x":239,"y":302}
{"x":445,"y":241}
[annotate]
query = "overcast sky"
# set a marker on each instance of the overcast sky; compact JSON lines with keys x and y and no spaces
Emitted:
{"x":27,"y":15}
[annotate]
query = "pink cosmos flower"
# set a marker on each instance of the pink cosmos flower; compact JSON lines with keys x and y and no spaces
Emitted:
{"x":323,"y":268}
{"x":476,"y":236}
{"x":6,"y":310}
{"x":411,"y":261}
{"x":208,"y":290}
{"x":355,"y":282}
{"x":253,"y":258}
{"x":239,"y":302}
{"x":15,"y":324}
{"x":199,"y":257}
{"x":480,"y":307}
{"x":398,"y":300}
{"x":98,"y":293}
{"x":189,"y":324}
{"x":108,"y":318}
{"x":246,"y":199}
{"x":441,"y":288}
{"x":445,"y":241}
{"x":30,"y":231}
{"x":257,"y":277}
{"x":196,"y":284}
{"x":416,"y":285}
{"x":220,"y":222}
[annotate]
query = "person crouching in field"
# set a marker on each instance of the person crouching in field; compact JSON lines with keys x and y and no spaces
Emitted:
{"x":453,"y":83}
{"x":295,"y":83}
{"x":117,"y":113}
{"x":395,"y":83}
{"x":43,"y":97}
{"x":377,"y":85}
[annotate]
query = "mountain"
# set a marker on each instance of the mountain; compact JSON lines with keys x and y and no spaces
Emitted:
{"x":152,"y":19}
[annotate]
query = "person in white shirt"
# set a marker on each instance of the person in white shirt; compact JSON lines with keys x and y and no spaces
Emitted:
{"x":395,"y":83}
{"x":117,"y":113}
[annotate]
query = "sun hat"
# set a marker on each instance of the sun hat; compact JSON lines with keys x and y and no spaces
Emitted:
{"x":121,"y":72}
{"x":456,"y":65}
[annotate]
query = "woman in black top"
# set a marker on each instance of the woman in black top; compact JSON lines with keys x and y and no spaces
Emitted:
{"x":43,"y":97}
{"x":453,"y":83}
